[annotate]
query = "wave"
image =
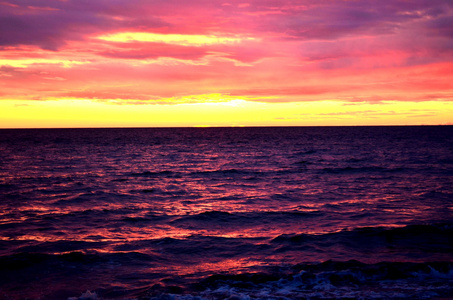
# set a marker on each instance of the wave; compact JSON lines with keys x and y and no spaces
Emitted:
{"x":294,"y":167}
{"x":228,"y":173}
{"x":165,"y":173}
{"x":330,"y":279}
{"x":369,"y":244}
{"x":248,"y":217}
{"x":388,"y":263}
{"x":354,"y":170}
{"x":211,"y":174}
{"x":433,"y":238}
{"x":327,"y":280}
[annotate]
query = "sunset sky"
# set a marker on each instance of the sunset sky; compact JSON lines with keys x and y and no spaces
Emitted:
{"x":137,"y":63}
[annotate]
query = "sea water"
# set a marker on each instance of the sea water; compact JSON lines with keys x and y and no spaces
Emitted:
{"x":216,"y":213}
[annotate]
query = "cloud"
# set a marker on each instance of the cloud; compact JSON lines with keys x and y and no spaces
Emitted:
{"x":174,"y":39}
{"x":272,"y":50}
{"x":140,"y":50}
{"x":442,"y":26}
{"x":51,"y":25}
{"x":330,"y":20}
{"x":35,"y":23}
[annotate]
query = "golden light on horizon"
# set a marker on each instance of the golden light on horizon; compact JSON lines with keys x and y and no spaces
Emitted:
{"x":236,"y":112}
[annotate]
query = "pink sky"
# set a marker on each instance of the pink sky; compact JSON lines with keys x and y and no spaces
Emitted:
{"x":117,"y":52}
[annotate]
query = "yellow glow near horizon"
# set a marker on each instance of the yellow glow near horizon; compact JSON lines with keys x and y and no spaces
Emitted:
{"x":233,"y":112}
{"x":384,"y":113}
{"x":177,"y":39}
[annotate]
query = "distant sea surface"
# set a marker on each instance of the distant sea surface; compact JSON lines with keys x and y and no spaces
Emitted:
{"x":217,"y":213}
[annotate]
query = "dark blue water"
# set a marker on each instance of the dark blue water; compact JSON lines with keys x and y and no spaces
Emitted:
{"x":216,"y":213}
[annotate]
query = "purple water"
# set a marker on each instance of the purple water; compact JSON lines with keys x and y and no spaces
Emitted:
{"x":214,"y":213}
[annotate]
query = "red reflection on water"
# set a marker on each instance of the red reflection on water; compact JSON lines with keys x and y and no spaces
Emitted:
{"x":215,"y":267}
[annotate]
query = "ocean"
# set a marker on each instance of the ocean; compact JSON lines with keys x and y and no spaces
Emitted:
{"x":227,"y":213}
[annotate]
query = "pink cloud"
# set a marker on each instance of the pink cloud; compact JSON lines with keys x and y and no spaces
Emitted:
{"x":141,"y":50}
{"x":296,"y":51}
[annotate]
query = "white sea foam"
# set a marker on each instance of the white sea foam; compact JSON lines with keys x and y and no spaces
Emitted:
{"x":88,"y":295}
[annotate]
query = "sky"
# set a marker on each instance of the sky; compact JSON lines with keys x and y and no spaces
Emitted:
{"x":173,"y":63}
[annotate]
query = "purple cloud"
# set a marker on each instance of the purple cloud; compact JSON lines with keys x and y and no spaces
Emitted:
{"x":327,"y":20}
{"x":50,"y":24}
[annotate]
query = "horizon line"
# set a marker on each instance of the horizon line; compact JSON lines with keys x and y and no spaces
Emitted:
{"x":233,"y":126}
